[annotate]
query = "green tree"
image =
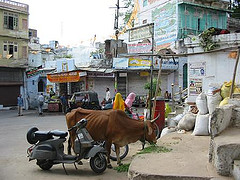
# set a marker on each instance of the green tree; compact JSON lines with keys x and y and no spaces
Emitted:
{"x":236,"y":9}
{"x":129,"y":4}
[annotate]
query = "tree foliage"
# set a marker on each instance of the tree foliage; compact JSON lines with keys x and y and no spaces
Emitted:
{"x":129,"y":4}
{"x":236,"y":9}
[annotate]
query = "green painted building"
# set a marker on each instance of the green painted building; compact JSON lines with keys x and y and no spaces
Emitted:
{"x":194,"y":18}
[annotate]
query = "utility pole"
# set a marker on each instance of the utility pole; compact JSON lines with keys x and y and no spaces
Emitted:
{"x":116,"y":24}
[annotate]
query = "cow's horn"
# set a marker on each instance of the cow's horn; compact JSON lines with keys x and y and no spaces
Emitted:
{"x":153,"y":120}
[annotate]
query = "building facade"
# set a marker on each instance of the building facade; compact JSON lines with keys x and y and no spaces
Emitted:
{"x":211,"y":70}
{"x":173,"y":20}
{"x":13,"y":51}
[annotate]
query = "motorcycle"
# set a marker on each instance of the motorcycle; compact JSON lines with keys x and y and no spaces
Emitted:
{"x":48,"y":148}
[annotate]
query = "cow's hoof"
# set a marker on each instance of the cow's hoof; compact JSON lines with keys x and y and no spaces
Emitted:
{"x":109,"y":166}
{"x":80,"y":162}
{"x":120,"y":164}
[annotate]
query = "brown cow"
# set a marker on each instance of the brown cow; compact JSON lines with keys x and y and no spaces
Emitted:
{"x":113,"y":127}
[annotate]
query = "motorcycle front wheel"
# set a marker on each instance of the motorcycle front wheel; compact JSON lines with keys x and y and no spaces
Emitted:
{"x":44,"y":164}
{"x":123,"y":152}
{"x":98,"y":163}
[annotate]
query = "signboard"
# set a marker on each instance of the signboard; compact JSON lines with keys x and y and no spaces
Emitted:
{"x":120,"y":63}
{"x":33,"y":71}
{"x":197,"y":69}
{"x":144,"y":73}
{"x":64,"y":77}
{"x":165,"y":22}
{"x":138,"y":63}
{"x":140,"y":48}
{"x":140,"y":33}
{"x":195,"y":86}
{"x":100,"y":74}
{"x":170,"y":64}
{"x":65,"y":65}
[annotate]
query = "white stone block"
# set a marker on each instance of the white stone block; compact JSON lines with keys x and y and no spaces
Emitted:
{"x":236,"y":169}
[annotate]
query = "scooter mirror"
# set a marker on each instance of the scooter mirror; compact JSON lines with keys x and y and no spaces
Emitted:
{"x":82,"y":123}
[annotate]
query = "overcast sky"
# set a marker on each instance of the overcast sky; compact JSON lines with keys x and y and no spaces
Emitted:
{"x":71,"y":22}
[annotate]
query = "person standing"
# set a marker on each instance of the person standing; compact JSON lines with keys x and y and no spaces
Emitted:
{"x":108,"y":95}
{"x":20,"y":105}
{"x":63,"y":100}
{"x":119,"y":102}
{"x":40,"y":103}
{"x":52,"y":93}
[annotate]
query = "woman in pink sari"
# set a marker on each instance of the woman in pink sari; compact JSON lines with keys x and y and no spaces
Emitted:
{"x":129,"y":102}
{"x":130,"y":99}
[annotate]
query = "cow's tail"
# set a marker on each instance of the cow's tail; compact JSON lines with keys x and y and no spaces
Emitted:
{"x":69,"y":145}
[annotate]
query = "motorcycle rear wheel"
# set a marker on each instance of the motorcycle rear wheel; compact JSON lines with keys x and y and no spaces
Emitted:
{"x":157,"y":131}
{"x":44,"y":164}
{"x":98,"y":163}
{"x":123,"y":152}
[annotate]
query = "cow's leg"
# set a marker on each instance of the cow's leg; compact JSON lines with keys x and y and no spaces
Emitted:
{"x":108,"y":148}
{"x":117,"y":149}
{"x":69,"y":146}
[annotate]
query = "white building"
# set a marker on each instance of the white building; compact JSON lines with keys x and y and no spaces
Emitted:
{"x":214,"y":68}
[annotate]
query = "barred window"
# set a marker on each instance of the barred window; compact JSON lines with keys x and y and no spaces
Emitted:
{"x":10,"y":21}
{"x":5,"y":47}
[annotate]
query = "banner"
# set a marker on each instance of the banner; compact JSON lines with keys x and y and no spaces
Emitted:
{"x":140,"y":33}
{"x":64,"y":77}
{"x":165,"y":23}
{"x":197,"y":69}
{"x":138,"y":63}
{"x":139,"y":48}
{"x":33,"y":71}
{"x":195,"y":86}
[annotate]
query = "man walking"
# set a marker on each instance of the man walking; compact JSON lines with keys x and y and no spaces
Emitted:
{"x":20,"y":105}
{"x":40,"y":103}
{"x":64,"y":103}
{"x":108,"y":95}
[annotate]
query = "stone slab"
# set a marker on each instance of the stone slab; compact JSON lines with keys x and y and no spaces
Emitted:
{"x":187,"y":160}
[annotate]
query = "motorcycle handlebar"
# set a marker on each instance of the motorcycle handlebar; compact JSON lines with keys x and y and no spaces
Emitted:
{"x":70,"y":129}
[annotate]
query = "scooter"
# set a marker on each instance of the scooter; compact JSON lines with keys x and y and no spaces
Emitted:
{"x":48,"y":148}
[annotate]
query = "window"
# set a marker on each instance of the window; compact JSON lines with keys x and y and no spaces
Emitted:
{"x":10,"y":50}
{"x":198,"y":24}
{"x":10,"y":21}
{"x":32,"y":82}
{"x":15,"y":49}
{"x":5,"y":47}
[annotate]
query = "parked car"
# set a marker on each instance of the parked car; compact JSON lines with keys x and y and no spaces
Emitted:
{"x":84,"y":99}
{"x":140,"y":101}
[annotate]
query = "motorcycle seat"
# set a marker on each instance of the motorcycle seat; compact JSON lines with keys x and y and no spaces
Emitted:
{"x":61,"y":134}
{"x":42,"y":135}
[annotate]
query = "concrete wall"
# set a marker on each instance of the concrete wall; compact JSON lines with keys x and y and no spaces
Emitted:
{"x":100,"y":85}
{"x":136,"y":83}
{"x":218,"y":65}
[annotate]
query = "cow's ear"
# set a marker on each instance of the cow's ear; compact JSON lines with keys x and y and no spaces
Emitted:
{"x":150,"y":130}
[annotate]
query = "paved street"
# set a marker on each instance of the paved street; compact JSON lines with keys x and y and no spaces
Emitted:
{"x":14,"y":163}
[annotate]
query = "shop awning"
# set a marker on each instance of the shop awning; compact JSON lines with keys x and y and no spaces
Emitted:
{"x":64,"y":77}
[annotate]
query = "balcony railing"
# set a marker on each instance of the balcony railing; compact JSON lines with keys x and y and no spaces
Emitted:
{"x":14,"y":5}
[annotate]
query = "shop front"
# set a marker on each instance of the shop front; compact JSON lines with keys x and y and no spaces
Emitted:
{"x":68,"y":83}
{"x":11,"y":85}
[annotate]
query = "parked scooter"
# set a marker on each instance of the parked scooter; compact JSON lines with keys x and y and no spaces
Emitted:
{"x":48,"y":148}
